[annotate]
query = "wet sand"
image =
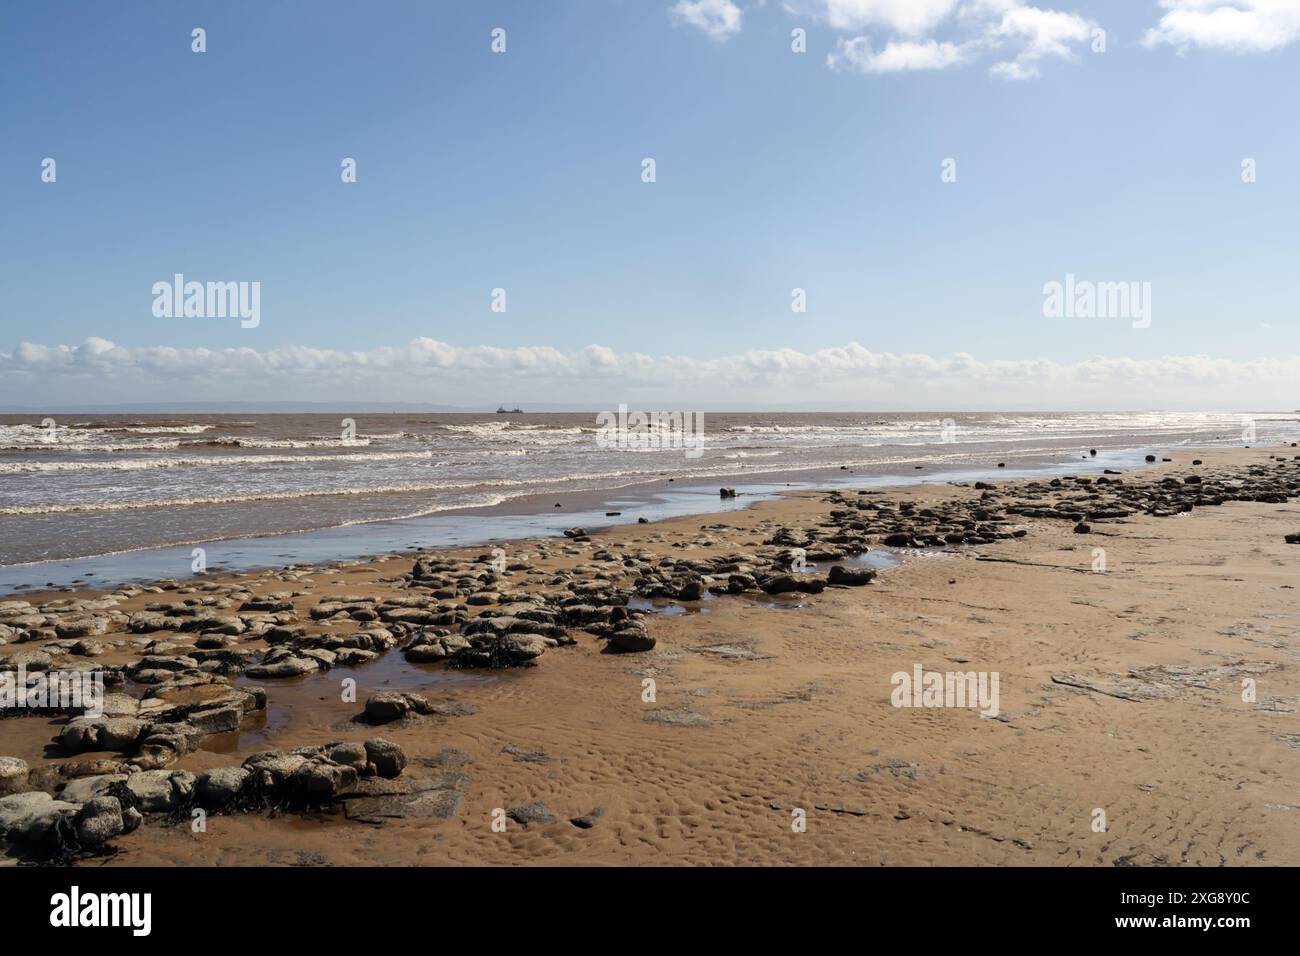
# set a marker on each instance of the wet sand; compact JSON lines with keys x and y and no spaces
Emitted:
{"x":768,"y":706}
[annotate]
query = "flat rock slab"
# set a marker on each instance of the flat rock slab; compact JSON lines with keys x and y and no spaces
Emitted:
{"x":734,"y":650}
{"x":1119,"y":687}
{"x":531,"y":813}
{"x":526,"y":756}
{"x":376,"y":801}
{"x":1162,"y":681}
{"x":681,"y":717}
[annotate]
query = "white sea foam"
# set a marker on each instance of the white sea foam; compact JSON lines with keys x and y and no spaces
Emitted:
{"x":144,"y":464}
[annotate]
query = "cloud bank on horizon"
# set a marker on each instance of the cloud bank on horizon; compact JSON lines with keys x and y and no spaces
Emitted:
{"x":1015,"y":35}
{"x":427,"y":370}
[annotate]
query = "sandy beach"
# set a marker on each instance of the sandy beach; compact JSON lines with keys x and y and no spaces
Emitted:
{"x":1159,"y":692}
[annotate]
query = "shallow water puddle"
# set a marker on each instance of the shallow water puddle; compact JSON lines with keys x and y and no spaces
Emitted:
{"x":668,"y":607}
{"x":316,"y":700}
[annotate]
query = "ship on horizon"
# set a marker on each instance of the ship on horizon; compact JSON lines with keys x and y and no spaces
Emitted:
{"x":502,"y":410}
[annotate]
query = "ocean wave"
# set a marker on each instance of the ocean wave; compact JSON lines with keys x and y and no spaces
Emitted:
{"x":289,"y":495}
{"x":622,"y":478}
{"x":145,"y":464}
{"x":63,"y":445}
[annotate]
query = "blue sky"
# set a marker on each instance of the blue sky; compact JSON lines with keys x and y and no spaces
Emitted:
{"x":775,"y":170}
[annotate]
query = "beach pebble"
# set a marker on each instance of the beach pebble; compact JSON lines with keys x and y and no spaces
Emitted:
{"x":531,"y":813}
{"x":588,"y":820}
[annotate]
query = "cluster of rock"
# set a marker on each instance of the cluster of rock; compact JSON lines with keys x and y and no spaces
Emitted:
{"x":869,"y":517}
{"x":169,"y":721}
{"x":1108,"y":496}
{"x":66,"y":817}
{"x":998,"y":513}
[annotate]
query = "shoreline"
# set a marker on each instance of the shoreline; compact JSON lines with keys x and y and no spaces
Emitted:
{"x":771,"y":703}
{"x":526,"y":516}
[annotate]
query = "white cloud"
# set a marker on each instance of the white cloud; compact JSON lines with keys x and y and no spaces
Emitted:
{"x":717,"y":18}
{"x":908,"y":17}
{"x":938,"y":34}
{"x":1036,"y":34}
{"x":426,"y":370}
{"x":897,"y":56}
{"x":1014,"y":70}
{"x":1240,"y":26}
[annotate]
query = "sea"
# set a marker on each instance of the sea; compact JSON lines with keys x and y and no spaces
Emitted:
{"x":81,"y":494}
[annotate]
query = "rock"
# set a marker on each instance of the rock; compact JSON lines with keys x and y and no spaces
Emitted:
{"x":780,"y":584}
{"x":318,"y":781}
{"x":31,"y":816}
{"x":271,"y":769}
{"x":82,"y":627}
{"x":119,"y":734}
{"x":390,"y":705}
{"x":531,"y":813}
{"x":29,"y":660}
{"x":692,"y":590}
{"x":576,"y":532}
{"x":159,"y":790}
{"x":501,"y":650}
{"x":385,"y":757}
{"x":850,"y":577}
{"x":85,"y":789}
{"x":99,"y":820}
{"x":377,"y":800}
{"x":726,"y":492}
{"x":1151,"y":458}
{"x":436,"y":649}
{"x":1082,"y":528}
{"x":786,"y":583}
{"x":386,"y":706}
{"x":348,"y":754}
{"x":13,"y":775}
{"x":218,"y":787}
{"x":1293,"y":538}
{"x":632,"y":640}
{"x":285,"y":667}
{"x":588,"y":820}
